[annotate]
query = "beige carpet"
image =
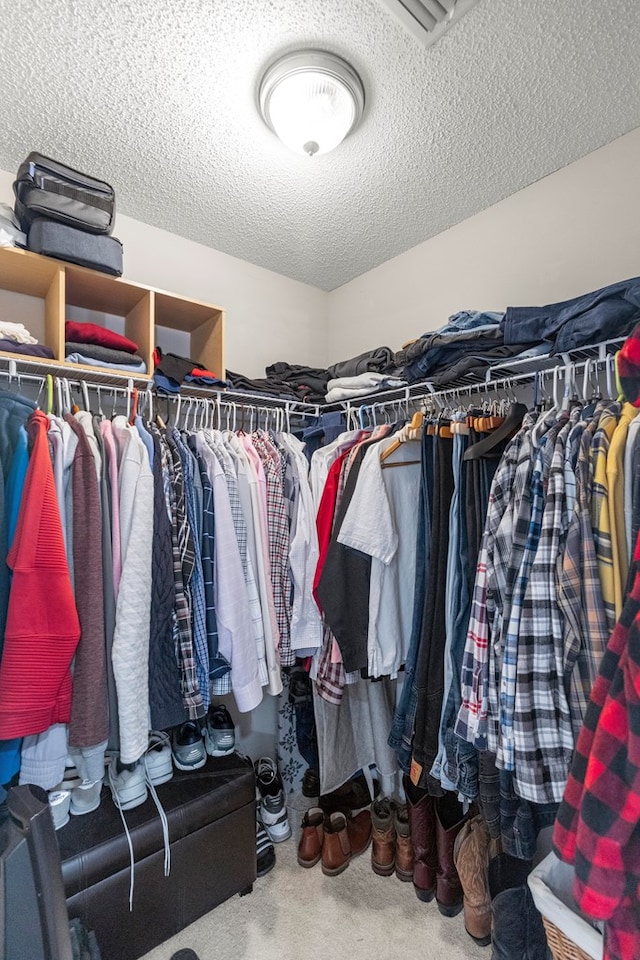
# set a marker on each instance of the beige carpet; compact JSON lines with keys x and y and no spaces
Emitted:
{"x":298,"y":914}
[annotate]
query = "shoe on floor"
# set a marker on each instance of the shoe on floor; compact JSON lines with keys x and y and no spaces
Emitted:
{"x":85,"y":798}
{"x":188,"y":747}
{"x":352,"y":795}
{"x":157,"y":759}
{"x":272,"y":808}
{"x":219,"y":731}
{"x":128,"y":786}
{"x":311,"y":837}
{"x":265,"y":853}
{"x":186,"y":954}
{"x":59,"y":802}
{"x":311,"y":784}
{"x":344,"y":838}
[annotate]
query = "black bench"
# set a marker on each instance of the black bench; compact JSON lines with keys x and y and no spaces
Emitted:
{"x":212,"y":831}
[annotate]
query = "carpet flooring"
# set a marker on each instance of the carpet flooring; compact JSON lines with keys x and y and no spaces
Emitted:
{"x":299,"y":914}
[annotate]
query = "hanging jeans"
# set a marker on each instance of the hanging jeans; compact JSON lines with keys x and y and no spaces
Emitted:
{"x":429,"y":676}
{"x":401,"y":736}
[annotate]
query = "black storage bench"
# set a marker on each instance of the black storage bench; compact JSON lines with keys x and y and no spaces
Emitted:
{"x":212,"y":832}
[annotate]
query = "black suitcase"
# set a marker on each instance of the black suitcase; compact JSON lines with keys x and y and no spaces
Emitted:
{"x":46,"y":188}
{"x":64,"y":243}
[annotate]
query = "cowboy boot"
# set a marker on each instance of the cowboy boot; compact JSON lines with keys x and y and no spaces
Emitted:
{"x":383,"y":849}
{"x":450,"y":819}
{"x":422,"y":828}
{"x":518,"y":930}
{"x":471,"y":858}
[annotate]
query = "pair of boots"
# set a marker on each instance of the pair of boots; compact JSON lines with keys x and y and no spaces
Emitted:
{"x":391,"y":849}
{"x":335,"y":838}
{"x":434,"y":824}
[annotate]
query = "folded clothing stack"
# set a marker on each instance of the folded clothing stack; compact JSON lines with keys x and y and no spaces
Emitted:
{"x":10,"y":233}
{"x":346,"y":388}
{"x":171,"y":371}
{"x":92,"y":345}
{"x":15,"y":338}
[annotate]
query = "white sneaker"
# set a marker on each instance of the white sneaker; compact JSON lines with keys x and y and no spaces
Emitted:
{"x":128,"y":787}
{"x":59,"y":801}
{"x":157,"y":759}
{"x":85,"y":798}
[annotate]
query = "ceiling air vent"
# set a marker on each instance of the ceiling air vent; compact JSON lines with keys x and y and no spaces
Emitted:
{"x":428,"y":19}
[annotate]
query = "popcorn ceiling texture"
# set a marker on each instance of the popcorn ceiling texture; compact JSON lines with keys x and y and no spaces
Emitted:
{"x":158,"y":98}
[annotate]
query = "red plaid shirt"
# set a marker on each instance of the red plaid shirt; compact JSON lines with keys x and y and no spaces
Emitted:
{"x":598,"y":823}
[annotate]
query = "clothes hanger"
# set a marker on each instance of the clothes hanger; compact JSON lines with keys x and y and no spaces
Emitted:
{"x":509,"y":426}
{"x":412,"y":431}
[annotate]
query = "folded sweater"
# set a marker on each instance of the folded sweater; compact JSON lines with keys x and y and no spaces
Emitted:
{"x":101,"y":336}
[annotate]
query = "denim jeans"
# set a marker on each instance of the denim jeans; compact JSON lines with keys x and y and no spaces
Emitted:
{"x":470,"y":320}
{"x":401,"y":735}
{"x":595,"y":316}
{"x":520,"y":820}
{"x":457,"y":612}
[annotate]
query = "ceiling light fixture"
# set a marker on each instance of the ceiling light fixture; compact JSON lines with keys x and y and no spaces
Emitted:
{"x":311,"y":100}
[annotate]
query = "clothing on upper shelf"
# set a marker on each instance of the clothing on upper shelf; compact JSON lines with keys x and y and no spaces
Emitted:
{"x":601,"y":315}
{"x":347,"y":388}
{"x":380,"y":360}
{"x":17,"y":332}
{"x":91,"y":333}
{"x":95,"y":361}
{"x":100,"y":354}
{"x":28,"y":349}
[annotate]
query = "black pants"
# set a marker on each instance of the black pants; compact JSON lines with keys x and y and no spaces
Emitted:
{"x":430,"y":664}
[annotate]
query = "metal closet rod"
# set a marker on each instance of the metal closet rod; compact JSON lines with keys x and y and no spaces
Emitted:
{"x":410,"y":394}
{"x":567,"y":370}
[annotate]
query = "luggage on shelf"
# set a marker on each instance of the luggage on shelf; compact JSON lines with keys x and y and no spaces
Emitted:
{"x":46,"y":188}
{"x":66,"y":243}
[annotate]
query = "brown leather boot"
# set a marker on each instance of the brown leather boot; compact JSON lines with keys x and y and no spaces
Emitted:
{"x":450,"y":819}
{"x":344,"y":839}
{"x":471,"y":857}
{"x":404,"y":850}
{"x":383,"y":833}
{"x":311,"y":838}
{"x":422,"y":827}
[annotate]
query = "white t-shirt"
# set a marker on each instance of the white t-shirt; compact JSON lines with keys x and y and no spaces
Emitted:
{"x":381,"y":521}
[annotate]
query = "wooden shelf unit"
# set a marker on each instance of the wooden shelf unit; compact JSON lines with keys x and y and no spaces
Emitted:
{"x":143,"y":309}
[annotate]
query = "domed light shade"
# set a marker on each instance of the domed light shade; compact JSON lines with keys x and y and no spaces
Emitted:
{"x":311,"y":100}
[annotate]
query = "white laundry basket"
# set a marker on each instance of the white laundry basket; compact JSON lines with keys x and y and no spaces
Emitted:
{"x":569,"y":935}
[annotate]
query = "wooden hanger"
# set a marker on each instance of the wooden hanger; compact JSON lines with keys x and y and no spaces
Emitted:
{"x":410,"y":432}
{"x":506,"y":429}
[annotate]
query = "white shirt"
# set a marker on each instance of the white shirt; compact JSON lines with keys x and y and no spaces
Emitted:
{"x":381,"y":521}
{"x":306,"y":622}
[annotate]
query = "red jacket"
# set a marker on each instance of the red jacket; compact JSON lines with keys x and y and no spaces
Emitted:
{"x":42,"y":623}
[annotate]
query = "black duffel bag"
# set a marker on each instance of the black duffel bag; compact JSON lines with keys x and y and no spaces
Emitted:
{"x":46,"y":188}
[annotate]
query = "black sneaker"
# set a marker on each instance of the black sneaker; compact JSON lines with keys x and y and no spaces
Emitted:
{"x":187,"y":746}
{"x":265,"y":852}
{"x":219,"y":731}
{"x":272,"y":807}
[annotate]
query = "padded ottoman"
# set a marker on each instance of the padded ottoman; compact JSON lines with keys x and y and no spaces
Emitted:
{"x":212,"y":831}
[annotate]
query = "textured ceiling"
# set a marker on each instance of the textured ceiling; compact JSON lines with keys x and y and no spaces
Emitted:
{"x":158,"y":97}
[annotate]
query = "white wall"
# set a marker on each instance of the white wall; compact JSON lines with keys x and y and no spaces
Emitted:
{"x":268,"y":316}
{"x":574,"y":231}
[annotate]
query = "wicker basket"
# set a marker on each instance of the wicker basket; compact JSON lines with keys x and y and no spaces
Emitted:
{"x":569,"y":935}
{"x":561,"y":947}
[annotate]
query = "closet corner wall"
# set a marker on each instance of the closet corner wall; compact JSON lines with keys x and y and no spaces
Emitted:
{"x":145,"y":311}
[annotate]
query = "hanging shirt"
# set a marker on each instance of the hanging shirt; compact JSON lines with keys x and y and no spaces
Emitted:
{"x":380,"y":521}
{"x":40,"y":638}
